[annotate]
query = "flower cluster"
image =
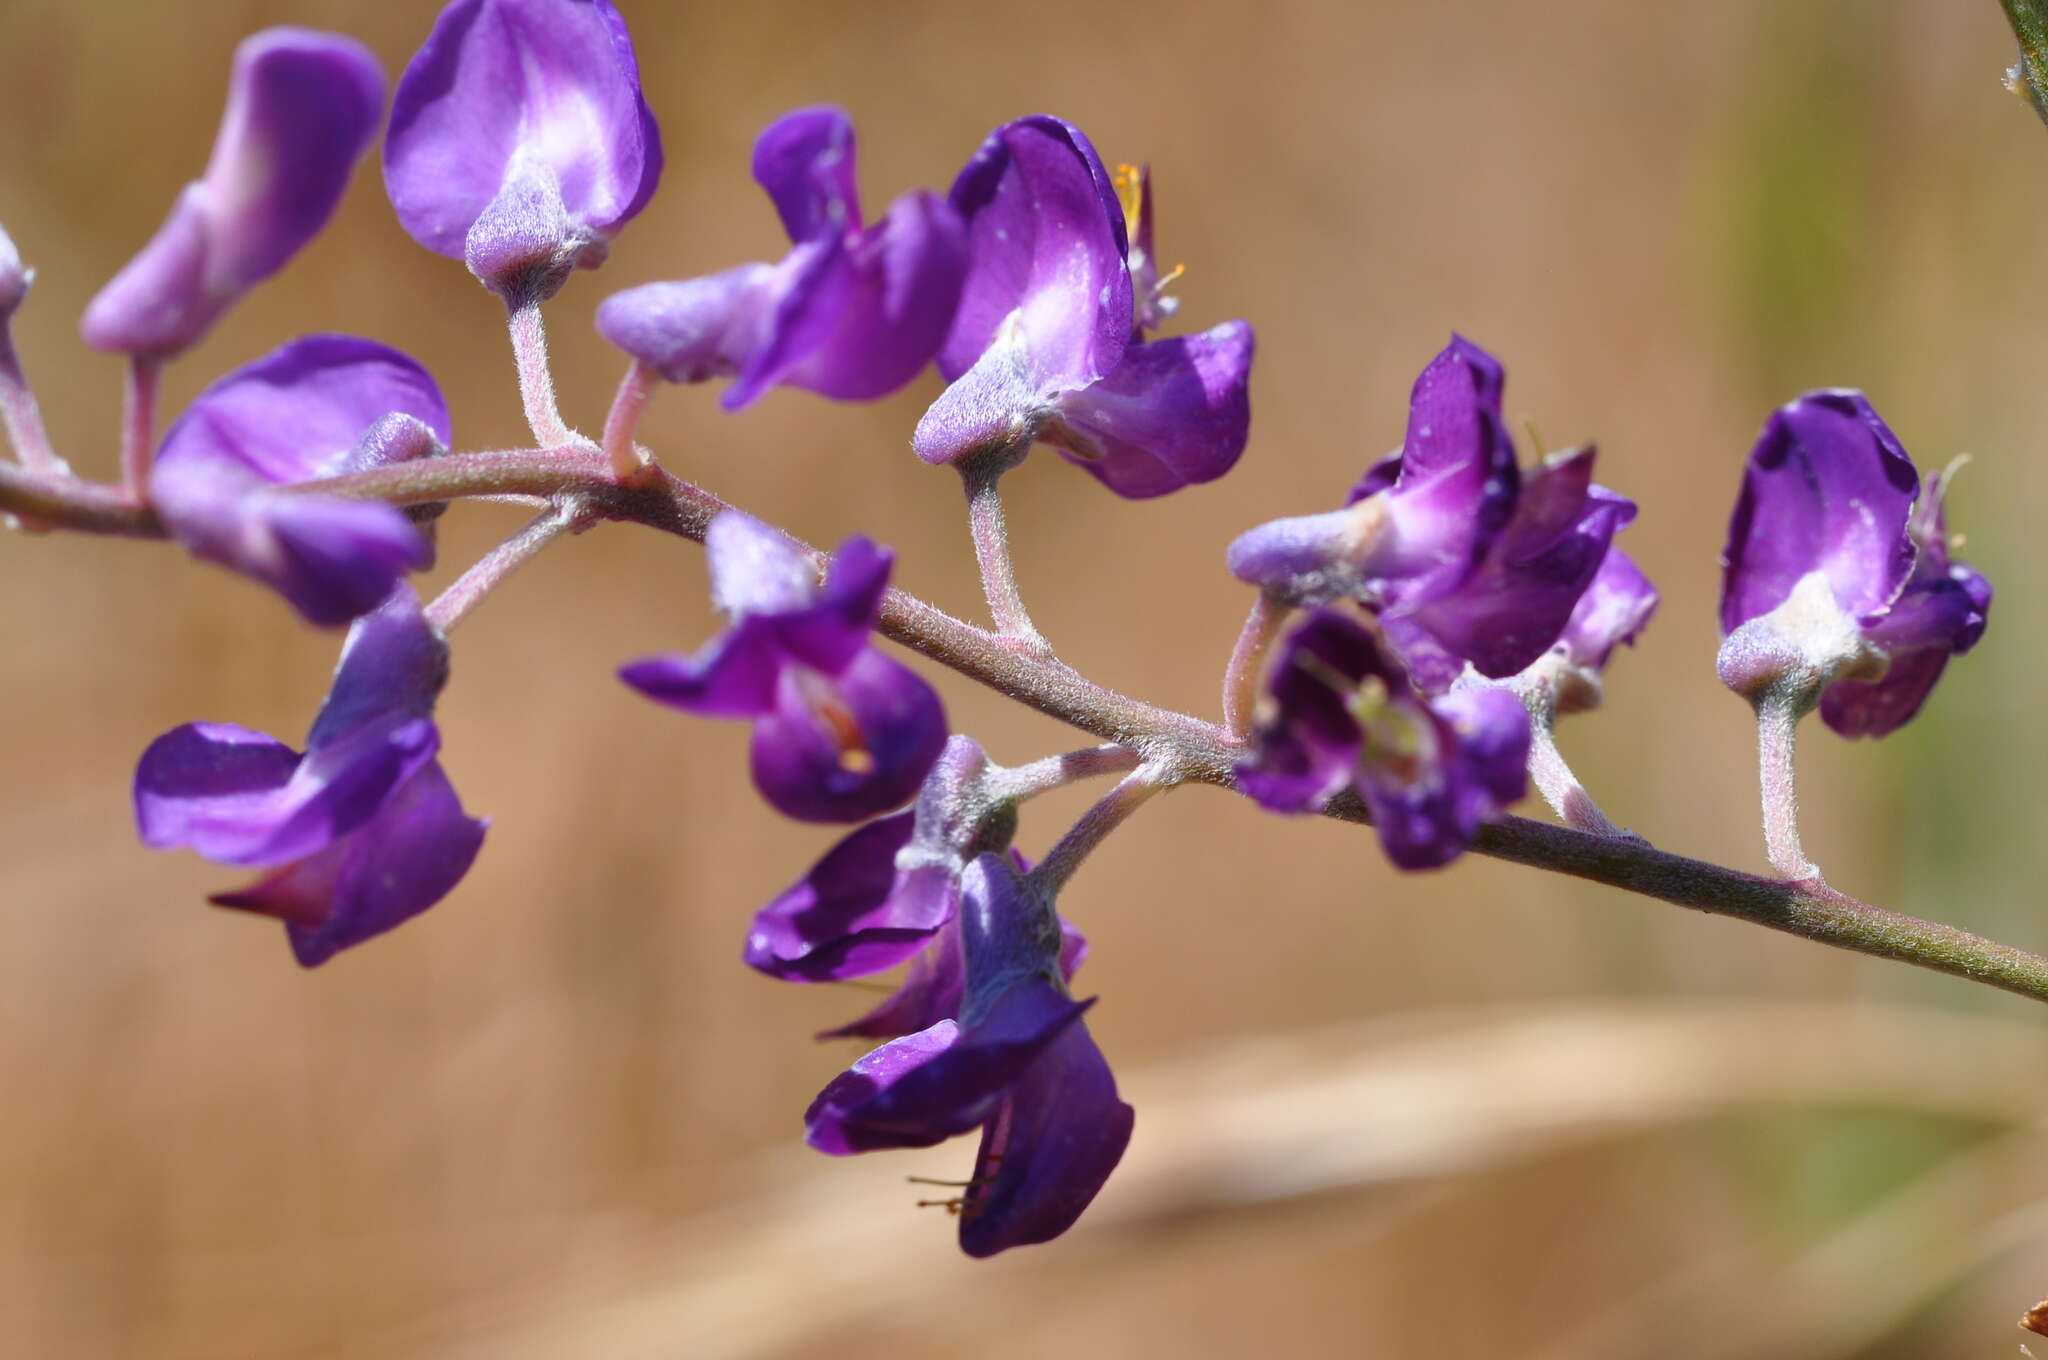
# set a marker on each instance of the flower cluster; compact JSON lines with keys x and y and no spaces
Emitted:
{"x":1447,"y":569}
{"x":1407,"y":653}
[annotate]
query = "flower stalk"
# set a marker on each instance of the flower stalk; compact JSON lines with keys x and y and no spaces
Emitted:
{"x":980,"y":475}
{"x":138,"y":425}
{"x":489,"y":571}
{"x":1198,"y":752}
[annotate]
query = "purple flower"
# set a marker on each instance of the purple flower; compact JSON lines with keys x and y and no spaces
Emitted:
{"x":317,"y":407}
{"x":301,"y":109}
{"x":1462,"y":559}
{"x":1018,"y":1063}
{"x":1047,"y":344}
{"x":1833,"y":577}
{"x":520,"y":143}
{"x":852,"y":312}
{"x":881,"y":893}
{"x":841,"y":732}
{"x":362,"y":831}
{"x":1345,"y":714}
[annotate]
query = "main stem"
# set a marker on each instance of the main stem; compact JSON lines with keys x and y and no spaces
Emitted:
{"x":1199,"y":752}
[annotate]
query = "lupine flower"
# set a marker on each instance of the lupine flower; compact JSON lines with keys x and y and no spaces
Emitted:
{"x":852,"y":312}
{"x":14,"y":279}
{"x":841,"y":732}
{"x":360,"y":832}
{"x":317,"y":407}
{"x":1462,"y":560}
{"x":881,"y":893}
{"x":1615,"y":609}
{"x":1832,"y":576}
{"x":1344,"y":714}
{"x":1048,"y":343}
{"x":302,"y":107}
{"x":1018,"y":1062}
{"x":520,"y":142}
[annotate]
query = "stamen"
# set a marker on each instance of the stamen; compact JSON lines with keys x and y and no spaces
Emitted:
{"x":1130,"y":192}
{"x":824,"y":700}
{"x":1168,"y":278}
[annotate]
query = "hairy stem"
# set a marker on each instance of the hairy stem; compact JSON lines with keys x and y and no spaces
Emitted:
{"x":1042,"y":776}
{"x":1537,"y":689}
{"x":467,"y":590}
{"x":980,"y":475}
{"x":536,"y":378}
{"x":1195,"y":751}
{"x":138,"y":425}
{"x":622,"y":422}
{"x":1247,"y":658}
{"x":20,"y":415}
{"x":1132,"y":792}
{"x":1778,"y":711}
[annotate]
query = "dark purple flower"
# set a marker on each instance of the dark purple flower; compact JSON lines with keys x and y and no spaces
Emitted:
{"x":1047,"y":345}
{"x":881,"y":893}
{"x":362,"y":831}
{"x":1463,"y":560}
{"x":520,"y":142}
{"x":841,"y":732}
{"x":1834,"y":578}
{"x":853,"y":312}
{"x":302,"y":107}
{"x":1018,"y":1063}
{"x":1344,"y":714}
{"x":317,"y":407}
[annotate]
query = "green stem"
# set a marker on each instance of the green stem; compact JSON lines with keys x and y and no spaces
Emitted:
{"x":2029,"y":20}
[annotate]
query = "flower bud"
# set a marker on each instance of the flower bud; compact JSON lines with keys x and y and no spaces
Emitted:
{"x":301,"y":108}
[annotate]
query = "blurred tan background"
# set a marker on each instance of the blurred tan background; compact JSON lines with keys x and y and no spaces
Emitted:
{"x":1480,"y":1113}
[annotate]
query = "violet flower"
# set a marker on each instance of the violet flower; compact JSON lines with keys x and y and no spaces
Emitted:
{"x":1048,"y":343}
{"x":362,"y":831}
{"x":881,"y":893}
{"x":1018,"y":1062}
{"x":852,"y":312}
{"x":1615,"y":609}
{"x":1345,"y":714}
{"x":520,"y":142}
{"x":1834,"y":581}
{"x":841,"y":732}
{"x":301,"y":109}
{"x":316,"y":407}
{"x":1461,"y":558}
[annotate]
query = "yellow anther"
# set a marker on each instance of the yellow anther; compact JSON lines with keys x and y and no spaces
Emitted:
{"x":1130,"y":191}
